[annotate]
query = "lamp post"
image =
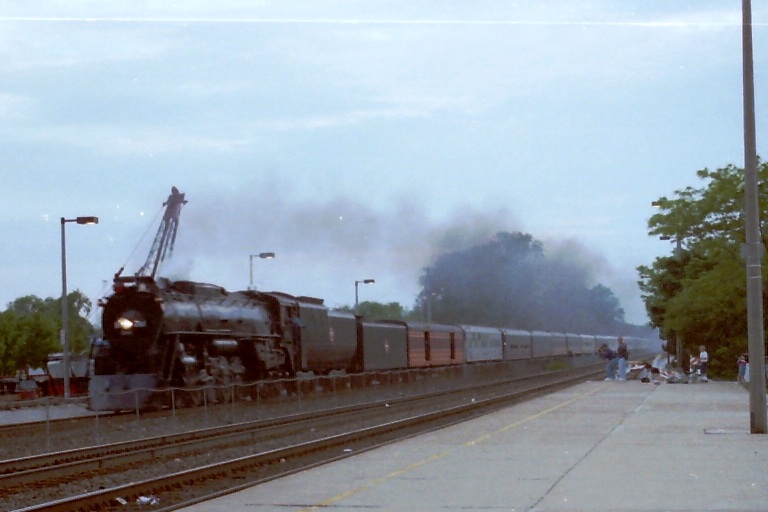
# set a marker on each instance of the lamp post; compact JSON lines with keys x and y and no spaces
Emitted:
{"x":364,"y":281}
{"x":430,"y":297}
{"x":64,"y":308}
{"x":262,"y":255}
{"x":678,"y":255}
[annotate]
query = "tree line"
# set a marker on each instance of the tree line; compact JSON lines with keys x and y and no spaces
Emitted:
{"x":30,"y":329}
{"x":697,"y":294}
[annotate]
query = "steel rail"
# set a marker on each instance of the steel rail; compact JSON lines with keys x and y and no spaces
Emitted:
{"x":23,"y":467}
{"x":151,"y":486}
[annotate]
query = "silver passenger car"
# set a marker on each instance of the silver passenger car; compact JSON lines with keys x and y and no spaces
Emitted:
{"x":482,"y":343}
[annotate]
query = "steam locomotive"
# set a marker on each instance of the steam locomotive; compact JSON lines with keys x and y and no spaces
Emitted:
{"x":181,"y":333}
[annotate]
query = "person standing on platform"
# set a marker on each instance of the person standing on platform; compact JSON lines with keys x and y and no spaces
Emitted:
{"x":703,"y":363}
{"x":622,"y":354}
{"x":610,"y":355}
{"x":742,"y":367}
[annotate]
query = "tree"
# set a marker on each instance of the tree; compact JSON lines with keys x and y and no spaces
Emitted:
{"x":377,"y":311}
{"x":698,"y":294}
{"x":510,"y":282}
{"x":604,"y":306}
{"x":30,"y":327}
{"x":9,"y":343}
{"x":39,"y":337}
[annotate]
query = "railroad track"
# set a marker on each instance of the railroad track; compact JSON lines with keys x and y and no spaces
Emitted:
{"x":88,"y":428}
{"x":223,"y":459}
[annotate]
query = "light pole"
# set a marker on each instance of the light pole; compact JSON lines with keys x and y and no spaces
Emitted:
{"x":758,"y":422}
{"x":364,"y":281}
{"x":678,"y":255}
{"x":262,"y":255}
{"x":64,"y":308}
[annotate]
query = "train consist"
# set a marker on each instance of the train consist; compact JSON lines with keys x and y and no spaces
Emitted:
{"x":186,"y":334}
{"x":159,"y":333}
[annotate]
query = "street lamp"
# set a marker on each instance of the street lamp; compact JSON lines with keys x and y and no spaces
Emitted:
{"x":364,"y":281}
{"x":262,"y":255}
{"x":430,"y":297}
{"x":678,"y":255}
{"x":64,"y":308}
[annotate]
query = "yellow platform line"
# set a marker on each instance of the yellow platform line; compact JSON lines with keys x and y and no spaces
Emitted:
{"x":443,"y":454}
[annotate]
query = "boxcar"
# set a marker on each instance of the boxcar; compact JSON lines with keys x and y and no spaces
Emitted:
{"x":433,"y":344}
{"x":517,"y":344}
{"x":328,"y":338}
{"x":543,"y":344}
{"x":559,"y":344}
{"x":581,"y":344}
{"x":482,"y":343}
{"x":385,"y":345}
{"x":574,"y":343}
{"x":590,"y":344}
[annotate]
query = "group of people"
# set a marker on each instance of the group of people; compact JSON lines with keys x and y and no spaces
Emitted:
{"x":616,"y":369}
{"x":617,"y":360}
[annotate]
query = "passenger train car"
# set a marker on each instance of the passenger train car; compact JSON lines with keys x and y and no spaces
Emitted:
{"x":182,"y":334}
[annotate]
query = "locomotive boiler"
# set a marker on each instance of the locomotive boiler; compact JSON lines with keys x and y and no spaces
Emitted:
{"x":182,"y":334}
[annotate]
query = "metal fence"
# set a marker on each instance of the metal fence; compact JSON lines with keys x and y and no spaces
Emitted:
{"x":234,"y":402}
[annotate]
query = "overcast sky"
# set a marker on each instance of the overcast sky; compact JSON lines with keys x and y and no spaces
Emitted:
{"x":349,"y":137}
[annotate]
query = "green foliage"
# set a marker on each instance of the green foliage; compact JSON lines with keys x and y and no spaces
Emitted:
{"x":698,"y":294}
{"x":377,"y":311}
{"x":9,"y":343}
{"x":30,"y":327}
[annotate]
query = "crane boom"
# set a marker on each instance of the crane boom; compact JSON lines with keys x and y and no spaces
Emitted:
{"x":162,"y":247}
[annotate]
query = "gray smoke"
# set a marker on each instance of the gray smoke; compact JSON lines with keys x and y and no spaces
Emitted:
{"x":324,"y":245}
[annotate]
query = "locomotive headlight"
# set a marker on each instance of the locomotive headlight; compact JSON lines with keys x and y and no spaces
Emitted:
{"x":124,"y":324}
{"x":130,"y":320}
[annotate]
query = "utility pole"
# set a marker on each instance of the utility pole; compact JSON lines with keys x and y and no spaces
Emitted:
{"x":752,"y":249}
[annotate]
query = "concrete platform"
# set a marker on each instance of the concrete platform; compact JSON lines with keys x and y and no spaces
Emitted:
{"x":599,"y":446}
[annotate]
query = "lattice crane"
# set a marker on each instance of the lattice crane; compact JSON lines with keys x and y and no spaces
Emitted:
{"x":162,"y":246}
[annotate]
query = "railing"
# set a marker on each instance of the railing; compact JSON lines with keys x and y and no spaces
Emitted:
{"x":237,"y":402}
